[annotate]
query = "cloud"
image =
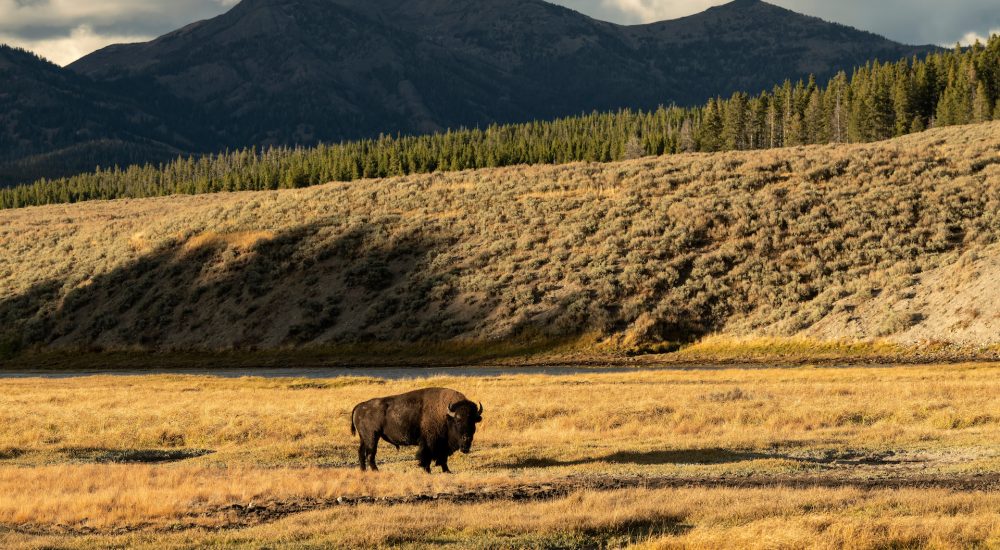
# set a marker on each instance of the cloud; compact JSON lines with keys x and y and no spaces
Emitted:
{"x":971,"y":38}
{"x":909,"y":21}
{"x":80,"y":41}
{"x":64,"y":30}
{"x":648,"y":11}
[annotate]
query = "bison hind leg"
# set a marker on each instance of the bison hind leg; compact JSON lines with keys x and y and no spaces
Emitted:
{"x":372,"y":449}
{"x":367,"y":448}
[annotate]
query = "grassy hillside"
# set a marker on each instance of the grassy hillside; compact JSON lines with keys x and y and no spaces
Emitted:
{"x":895,"y":240}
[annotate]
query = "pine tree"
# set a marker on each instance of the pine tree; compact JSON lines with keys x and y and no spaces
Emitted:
{"x":883,"y":109}
{"x":774,"y":136}
{"x":861,"y":125}
{"x":925,"y":90}
{"x":734,"y":125}
{"x":815,"y":119}
{"x":902,"y":102}
{"x":981,"y":111}
{"x":710,"y":139}
{"x":757,"y":130}
{"x":955,"y":106}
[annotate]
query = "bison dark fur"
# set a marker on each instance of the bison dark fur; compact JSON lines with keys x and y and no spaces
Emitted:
{"x":437,"y":420}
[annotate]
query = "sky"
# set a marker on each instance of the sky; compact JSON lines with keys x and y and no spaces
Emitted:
{"x":65,"y":30}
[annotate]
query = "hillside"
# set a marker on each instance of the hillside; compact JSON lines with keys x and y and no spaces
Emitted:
{"x":56,"y":123}
{"x":894,"y":240}
{"x":305,"y":71}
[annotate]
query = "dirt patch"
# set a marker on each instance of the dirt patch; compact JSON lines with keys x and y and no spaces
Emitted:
{"x":11,"y":453}
{"x":828,"y":459}
{"x":132,"y":456}
{"x":309,"y":386}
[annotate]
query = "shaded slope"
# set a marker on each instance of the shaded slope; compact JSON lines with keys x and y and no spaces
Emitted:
{"x":54,"y":122}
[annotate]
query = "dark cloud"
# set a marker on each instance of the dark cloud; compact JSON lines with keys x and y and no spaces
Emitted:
{"x":66,"y":29}
{"x":909,"y":21}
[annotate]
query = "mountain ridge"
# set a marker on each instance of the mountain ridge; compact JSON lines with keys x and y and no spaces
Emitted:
{"x":435,"y":64}
{"x":54,"y":122}
{"x":300,"y":72}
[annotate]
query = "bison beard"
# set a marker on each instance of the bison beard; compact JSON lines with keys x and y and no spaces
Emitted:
{"x":438,"y":420}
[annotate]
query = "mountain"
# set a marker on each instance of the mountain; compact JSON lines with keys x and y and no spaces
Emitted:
{"x":749,"y":45}
{"x":54,"y":122}
{"x":302,"y":71}
{"x":299,"y":72}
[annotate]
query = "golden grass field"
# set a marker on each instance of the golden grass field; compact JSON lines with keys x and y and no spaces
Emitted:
{"x":862,"y":457}
{"x":890,"y":245}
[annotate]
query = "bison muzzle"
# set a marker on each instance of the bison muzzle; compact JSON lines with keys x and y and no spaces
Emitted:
{"x":438,"y":420}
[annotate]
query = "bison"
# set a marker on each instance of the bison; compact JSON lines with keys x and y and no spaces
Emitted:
{"x":438,"y":420}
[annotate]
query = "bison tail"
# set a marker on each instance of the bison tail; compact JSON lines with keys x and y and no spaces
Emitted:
{"x":354,"y":430}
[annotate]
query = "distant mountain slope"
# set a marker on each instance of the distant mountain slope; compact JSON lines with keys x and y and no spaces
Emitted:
{"x":749,"y":45}
{"x":54,"y":122}
{"x":301,"y":71}
{"x":893,"y":240}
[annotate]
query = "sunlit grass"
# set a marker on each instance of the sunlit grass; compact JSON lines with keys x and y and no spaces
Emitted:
{"x":684,"y":518}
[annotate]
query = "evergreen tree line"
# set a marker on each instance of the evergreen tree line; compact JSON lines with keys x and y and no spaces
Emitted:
{"x":879,"y":101}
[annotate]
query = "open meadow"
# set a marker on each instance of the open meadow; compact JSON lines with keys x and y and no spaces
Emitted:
{"x":877,"y":457}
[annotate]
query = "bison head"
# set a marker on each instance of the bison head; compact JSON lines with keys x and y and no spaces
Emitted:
{"x":462,"y":419}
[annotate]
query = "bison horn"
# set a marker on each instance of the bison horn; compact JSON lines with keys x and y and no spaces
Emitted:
{"x":451,"y":410}
{"x":480,"y":408}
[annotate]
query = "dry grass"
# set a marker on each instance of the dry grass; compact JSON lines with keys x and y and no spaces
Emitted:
{"x":241,"y":241}
{"x":639,"y":253}
{"x":560,"y":417}
{"x":284,"y":444}
{"x":685,"y":518}
{"x":764,"y":348}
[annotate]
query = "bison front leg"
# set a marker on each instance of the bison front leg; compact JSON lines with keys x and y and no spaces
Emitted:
{"x":424,"y":457}
{"x":443,"y":463}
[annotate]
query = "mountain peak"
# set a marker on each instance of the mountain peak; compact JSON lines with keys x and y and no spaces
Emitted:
{"x":304,"y":71}
{"x":739,"y":6}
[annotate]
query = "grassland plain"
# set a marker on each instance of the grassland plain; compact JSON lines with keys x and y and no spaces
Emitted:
{"x":843,"y":250}
{"x":864,"y":457}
